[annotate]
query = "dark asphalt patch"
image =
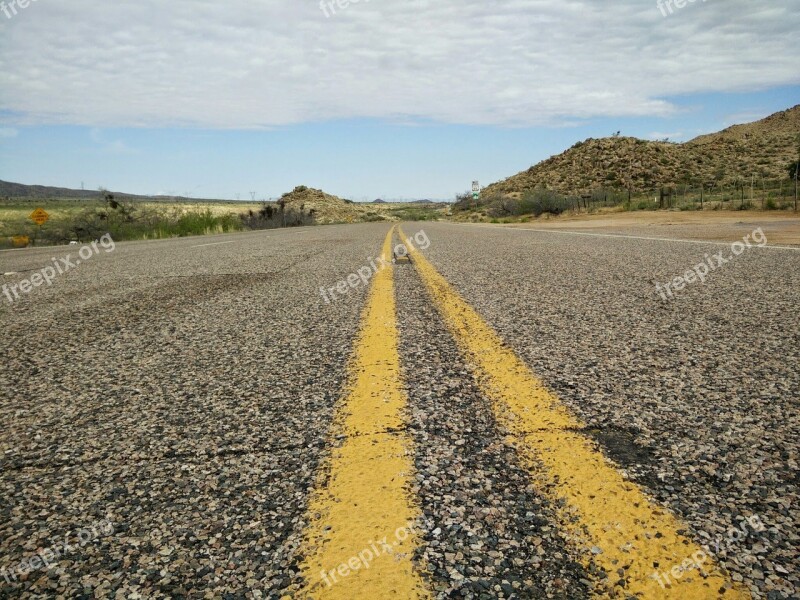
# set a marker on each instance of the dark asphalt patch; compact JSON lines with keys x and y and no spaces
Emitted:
{"x":620,"y":445}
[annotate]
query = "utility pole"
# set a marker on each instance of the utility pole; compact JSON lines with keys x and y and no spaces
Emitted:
{"x":253,"y":196}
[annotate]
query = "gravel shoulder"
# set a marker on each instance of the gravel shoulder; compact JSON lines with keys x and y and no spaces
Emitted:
{"x":781,"y":227}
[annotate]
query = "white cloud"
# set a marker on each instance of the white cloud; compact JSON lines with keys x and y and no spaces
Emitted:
{"x":8,"y":132}
{"x":245,"y":64}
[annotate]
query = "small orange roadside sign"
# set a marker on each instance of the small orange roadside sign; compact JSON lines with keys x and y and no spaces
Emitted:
{"x":39,"y":216}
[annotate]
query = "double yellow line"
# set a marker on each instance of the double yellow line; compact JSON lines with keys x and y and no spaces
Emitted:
{"x":365,"y":496}
{"x":360,"y":539}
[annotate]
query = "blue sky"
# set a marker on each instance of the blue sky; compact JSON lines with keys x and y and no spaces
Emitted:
{"x":216,"y":101}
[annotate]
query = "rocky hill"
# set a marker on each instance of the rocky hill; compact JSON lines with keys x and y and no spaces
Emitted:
{"x":762,"y":149}
{"x":326,"y":208}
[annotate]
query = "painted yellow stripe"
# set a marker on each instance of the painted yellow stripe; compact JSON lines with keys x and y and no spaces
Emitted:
{"x":617,"y":525}
{"x":358,"y":543}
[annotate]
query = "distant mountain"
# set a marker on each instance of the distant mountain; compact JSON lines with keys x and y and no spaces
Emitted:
{"x":20,"y":190}
{"x":760,"y":149}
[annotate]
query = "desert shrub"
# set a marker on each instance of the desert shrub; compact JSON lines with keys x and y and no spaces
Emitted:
{"x":792,"y":167}
{"x":273,"y":217}
{"x":133,"y":222}
{"x":203,"y":222}
{"x":503,"y":207}
{"x":640,"y":205}
{"x":540,"y":201}
{"x":416,"y":213}
{"x":645,"y":205}
{"x":463,"y":202}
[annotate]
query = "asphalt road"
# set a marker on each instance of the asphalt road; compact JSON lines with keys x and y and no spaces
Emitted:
{"x":176,"y":416}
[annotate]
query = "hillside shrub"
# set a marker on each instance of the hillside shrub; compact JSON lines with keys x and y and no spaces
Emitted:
{"x":503,"y":207}
{"x":273,"y":217}
{"x":540,"y":201}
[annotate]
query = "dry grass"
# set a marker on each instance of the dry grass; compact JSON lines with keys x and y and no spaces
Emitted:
{"x":65,"y":213}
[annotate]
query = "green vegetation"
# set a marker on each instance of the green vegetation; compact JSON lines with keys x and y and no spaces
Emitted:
{"x":792,"y":168}
{"x":278,"y":215}
{"x":421,"y":212}
{"x":753,"y":194}
{"x":85,"y":220}
{"x":538,"y":202}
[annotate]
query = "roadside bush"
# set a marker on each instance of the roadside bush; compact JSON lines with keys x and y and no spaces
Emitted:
{"x":132,"y":222}
{"x":273,"y":217}
{"x":540,"y":201}
{"x":201,"y":223}
{"x":503,"y":207}
{"x":463,"y":202}
{"x":640,"y":205}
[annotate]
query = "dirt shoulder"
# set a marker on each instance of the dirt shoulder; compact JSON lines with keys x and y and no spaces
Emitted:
{"x":780,"y":227}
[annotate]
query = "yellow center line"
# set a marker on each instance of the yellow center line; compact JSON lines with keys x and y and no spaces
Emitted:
{"x":360,"y":541}
{"x":633,"y":538}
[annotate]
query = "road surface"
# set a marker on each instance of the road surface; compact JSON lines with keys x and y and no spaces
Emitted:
{"x":509,"y":414}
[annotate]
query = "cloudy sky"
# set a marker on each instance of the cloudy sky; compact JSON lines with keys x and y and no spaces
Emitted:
{"x":377,"y":98}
